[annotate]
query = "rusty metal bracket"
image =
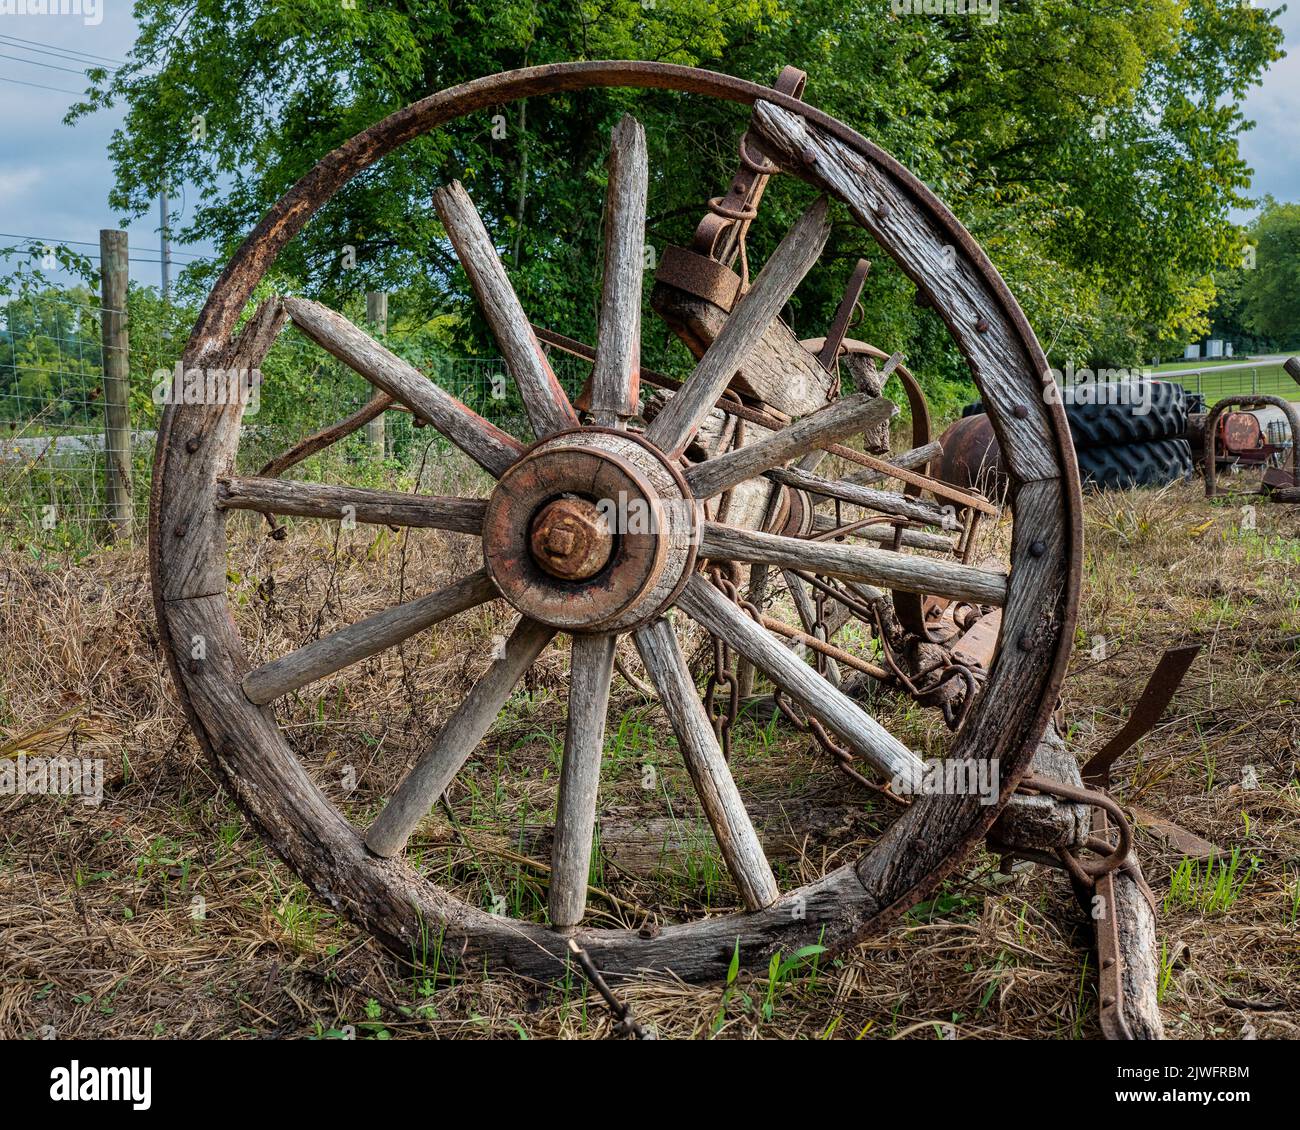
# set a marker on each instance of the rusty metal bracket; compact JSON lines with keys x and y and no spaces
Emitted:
{"x":721,"y":234}
{"x":1110,"y":957}
{"x":1147,"y":711}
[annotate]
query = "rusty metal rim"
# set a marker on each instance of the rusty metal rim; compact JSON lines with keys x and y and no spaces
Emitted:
{"x":287,"y":217}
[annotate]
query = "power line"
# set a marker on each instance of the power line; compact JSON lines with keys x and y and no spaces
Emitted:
{"x":64,"y":50}
{"x":10,"y":41}
{"x":39,"y":63}
{"x":82,"y":243}
{"x":42,"y":86}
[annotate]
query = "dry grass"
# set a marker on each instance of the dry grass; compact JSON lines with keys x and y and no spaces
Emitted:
{"x":101,"y":934}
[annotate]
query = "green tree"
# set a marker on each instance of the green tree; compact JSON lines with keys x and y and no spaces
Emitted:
{"x":1092,"y":150}
{"x":1267,"y":292}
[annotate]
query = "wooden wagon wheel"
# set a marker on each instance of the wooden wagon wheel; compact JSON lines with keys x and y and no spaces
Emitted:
{"x":542,"y":547}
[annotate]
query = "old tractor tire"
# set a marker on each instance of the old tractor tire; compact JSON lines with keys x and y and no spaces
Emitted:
{"x":1107,"y":424}
{"x":1125,"y":465}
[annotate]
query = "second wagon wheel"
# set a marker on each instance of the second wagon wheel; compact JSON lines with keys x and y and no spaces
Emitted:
{"x":547,"y":553}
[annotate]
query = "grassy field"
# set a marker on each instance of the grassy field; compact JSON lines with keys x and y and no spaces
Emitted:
{"x":160,"y":913}
{"x":1214,"y":382}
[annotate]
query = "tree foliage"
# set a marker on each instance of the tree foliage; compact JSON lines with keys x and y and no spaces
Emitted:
{"x":1091,"y":148}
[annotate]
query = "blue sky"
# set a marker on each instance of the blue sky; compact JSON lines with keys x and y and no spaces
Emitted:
{"x":54,"y":180}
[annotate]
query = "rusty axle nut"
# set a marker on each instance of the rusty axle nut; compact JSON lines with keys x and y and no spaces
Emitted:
{"x":570,"y":539}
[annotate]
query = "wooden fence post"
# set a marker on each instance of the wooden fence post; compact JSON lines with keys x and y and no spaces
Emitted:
{"x":113,"y":268}
{"x":377,"y":316}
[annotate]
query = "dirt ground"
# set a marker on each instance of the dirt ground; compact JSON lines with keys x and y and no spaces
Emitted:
{"x":160,"y":912}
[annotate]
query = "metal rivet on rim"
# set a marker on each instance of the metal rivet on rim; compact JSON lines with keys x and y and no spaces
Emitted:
{"x":882,"y":211}
{"x":1037,"y":548}
{"x":179,"y":530}
{"x":1108,"y":963}
{"x":1026,"y":643}
{"x":982,"y":326}
{"x":1020,"y":412}
{"x":192,"y":444}
{"x":1107,"y":1002}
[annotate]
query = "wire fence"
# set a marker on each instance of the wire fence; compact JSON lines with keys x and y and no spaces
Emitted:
{"x":1214,"y":383}
{"x":52,"y":436}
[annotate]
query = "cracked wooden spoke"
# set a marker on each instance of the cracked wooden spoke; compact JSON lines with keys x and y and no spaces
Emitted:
{"x":719,"y":797}
{"x":364,"y":638}
{"x":882,"y":501}
{"x":547,"y":406}
{"x":904,"y":461}
{"x":671,"y":429}
{"x":591,"y":666}
{"x":485,"y":443}
{"x":378,"y":507}
{"x":457,"y":739}
{"x":864,"y":735}
{"x":615,"y":379}
{"x":843,"y":418}
{"x":884,"y":532}
{"x":903,"y":571}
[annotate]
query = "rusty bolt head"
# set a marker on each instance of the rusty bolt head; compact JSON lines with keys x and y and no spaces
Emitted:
{"x":570,"y":539}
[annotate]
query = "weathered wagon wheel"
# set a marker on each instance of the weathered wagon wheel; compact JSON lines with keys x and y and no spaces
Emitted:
{"x":542,"y":548}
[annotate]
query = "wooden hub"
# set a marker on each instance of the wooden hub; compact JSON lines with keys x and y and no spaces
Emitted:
{"x":590,"y":531}
{"x":571,"y":539}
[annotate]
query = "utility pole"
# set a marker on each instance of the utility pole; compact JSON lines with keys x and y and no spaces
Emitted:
{"x":377,"y":316}
{"x":166,"y":246}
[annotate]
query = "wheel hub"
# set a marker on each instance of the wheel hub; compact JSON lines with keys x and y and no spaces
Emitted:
{"x":571,"y":539}
{"x":592,"y":530}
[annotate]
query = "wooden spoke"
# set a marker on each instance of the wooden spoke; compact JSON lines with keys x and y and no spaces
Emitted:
{"x":380,"y":507}
{"x":672,"y":429}
{"x":906,"y":460}
{"x":864,"y":735}
{"x":884,"y":532}
{"x":883,"y":501}
{"x":485,"y":443}
{"x":615,"y":380}
{"x":373,"y":408}
{"x":902,"y":571}
{"x":719,"y":797}
{"x":893,"y":469}
{"x":844,"y":417}
{"x":548,"y":408}
{"x":457,"y":739}
{"x":590,"y":669}
{"x":365,"y":638}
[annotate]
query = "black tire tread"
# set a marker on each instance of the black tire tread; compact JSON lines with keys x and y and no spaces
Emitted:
{"x":1124,"y":465}
{"x":1104,"y":425}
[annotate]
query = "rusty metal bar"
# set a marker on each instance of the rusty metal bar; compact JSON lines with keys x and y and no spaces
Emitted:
{"x":1156,"y":696}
